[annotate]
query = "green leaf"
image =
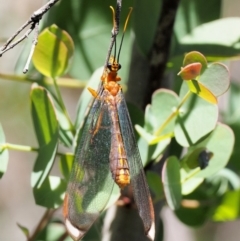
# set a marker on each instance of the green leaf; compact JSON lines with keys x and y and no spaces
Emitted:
{"x":24,"y":230}
{"x":193,"y":216}
{"x":205,"y":37}
{"x":164,"y":103}
{"x":46,"y":129}
{"x":189,"y":168}
{"x":4,"y":156}
{"x":195,"y":13}
{"x":189,"y":182}
{"x":53,"y":52}
{"x":51,"y":192}
{"x":229,"y":208}
{"x":200,"y":90}
{"x":145,"y":24}
{"x":54,"y":231}
{"x":216,"y":78}
{"x":149,"y":151}
{"x":157,"y":133}
{"x":65,"y":132}
{"x":65,"y":37}
{"x":220,"y":142}
{"x":231,"y":177}
{"x":231,"y":117}
{"x":191,"y":159}
{"x":155,"y":184}
{"x":195,"y":57}
{"x":196,"y":119}
{"x":66,"y":162}
{"x":171,"y":182}
{"x":211,"y":33}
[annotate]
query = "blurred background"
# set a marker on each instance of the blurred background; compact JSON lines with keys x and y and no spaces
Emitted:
{"x":16,"y":198}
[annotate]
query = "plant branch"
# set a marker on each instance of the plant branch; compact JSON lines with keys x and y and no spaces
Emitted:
{"x":159,"y":53}
{"x":34,"y":22}
{"x":63,"y":236}
{"x":42,"y":224}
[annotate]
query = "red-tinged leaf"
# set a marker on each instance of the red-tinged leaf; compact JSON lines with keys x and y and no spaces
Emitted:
{"x":191,"y":71}
{"x":195,"y":57}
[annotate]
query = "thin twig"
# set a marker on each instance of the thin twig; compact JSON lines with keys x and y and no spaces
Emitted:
{"x":42,"y":224}
{"x":7,"y":47}
{"x":34,"y":43}
{"x":34,"y":22}
{"x":63,"y":236}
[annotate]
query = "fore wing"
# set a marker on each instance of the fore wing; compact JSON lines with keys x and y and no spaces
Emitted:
{"x":90,"y":184}
{"x":141,"y":192}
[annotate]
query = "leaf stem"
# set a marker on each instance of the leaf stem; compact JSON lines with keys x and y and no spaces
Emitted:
{"x":193,"y":173}
{"x":173,"y":114}
{"x":64,"y":82}
{"x":14,"y":147}
{"x":10,"y":146}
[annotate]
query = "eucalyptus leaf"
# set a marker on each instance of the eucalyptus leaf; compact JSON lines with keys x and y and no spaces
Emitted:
{"x":193,"y":14}
{"x":195,"y":57}
{"x":51,"y":192}
{"x":200,"y":90}
{"x":53,"y":52}
{"x":220,"y":142}
{"x":216,"y":78}
{"x":228,"y":209}
{"x":163,"y":105}
{"x":46,"y":129}
{"x":145,"y":24}
{"x":211,"y":33}
{"x":205,"y":38}
{"x":196,"y":119}
{"x":193,"y":217}
{"x":66,"y":162}
{"x":155,"y":184}
{"x":171,"y":182}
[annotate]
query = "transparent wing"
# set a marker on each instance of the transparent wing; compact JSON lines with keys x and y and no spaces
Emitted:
{"x":90,"y":184}
{"x":138,"y":181}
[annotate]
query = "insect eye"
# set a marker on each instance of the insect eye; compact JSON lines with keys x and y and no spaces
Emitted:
{"x":119,"y":66}
{"x":109,"y":66}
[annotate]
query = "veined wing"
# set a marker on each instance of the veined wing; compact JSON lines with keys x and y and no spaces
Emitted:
{"x":138,"y":181}
{"x":90,"y":184}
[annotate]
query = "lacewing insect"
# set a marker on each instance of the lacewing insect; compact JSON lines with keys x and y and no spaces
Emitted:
{"x":107,"y":154}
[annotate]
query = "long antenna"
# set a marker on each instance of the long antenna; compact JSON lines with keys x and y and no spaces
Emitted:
{"x":115,"y":30}
{"x":124,"y":30}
